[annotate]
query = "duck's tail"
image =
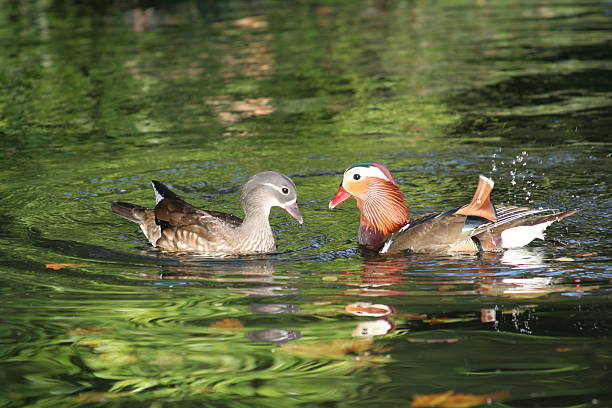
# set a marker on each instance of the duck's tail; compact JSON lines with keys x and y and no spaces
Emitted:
{"x":517,"y":227}
{"x":145,"y":217}
{"x":132,"y":212}
{"x":161,"y":191}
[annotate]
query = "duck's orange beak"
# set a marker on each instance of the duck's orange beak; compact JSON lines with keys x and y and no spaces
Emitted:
{"x":341,"y":196}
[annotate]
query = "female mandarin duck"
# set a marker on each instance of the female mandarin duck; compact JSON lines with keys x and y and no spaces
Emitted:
{"x":385,"y":224}
{"x":175,"y":225}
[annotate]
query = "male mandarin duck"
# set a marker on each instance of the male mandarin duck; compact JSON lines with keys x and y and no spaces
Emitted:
{"x":385,"y":224}
{"x":175,"y":225}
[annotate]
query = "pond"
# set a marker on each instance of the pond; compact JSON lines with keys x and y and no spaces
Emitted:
{"x":100,"y":98}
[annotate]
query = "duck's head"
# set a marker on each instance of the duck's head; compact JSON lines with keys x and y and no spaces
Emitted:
{"x":380,"y":201}
{"x":365,"y":181}
{"x":271,"y":189}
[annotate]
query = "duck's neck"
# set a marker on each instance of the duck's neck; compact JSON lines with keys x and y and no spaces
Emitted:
{"x":255,"y":231}
{"x":383,"y":211}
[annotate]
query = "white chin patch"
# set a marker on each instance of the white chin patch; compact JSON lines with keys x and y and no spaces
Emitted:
{"x":371,"y":171}
{"x":520,"y":236}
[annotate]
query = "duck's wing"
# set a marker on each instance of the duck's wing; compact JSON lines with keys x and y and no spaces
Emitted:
{"x":477,"y":226}
{"x":449,"y":232}
{"x":176,"y":212}
{"x":177,"y":225}
{"x":436,"y":233}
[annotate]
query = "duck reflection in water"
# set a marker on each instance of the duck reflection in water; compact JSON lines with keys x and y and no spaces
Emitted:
{"x":488,"y":275}
{"x":258,"y":272}
{"x":379,"y":327}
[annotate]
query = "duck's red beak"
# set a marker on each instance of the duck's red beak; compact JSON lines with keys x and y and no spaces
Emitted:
{"x":341,"y":196}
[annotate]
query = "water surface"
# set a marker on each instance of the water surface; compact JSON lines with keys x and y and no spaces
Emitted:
{"x":100,"y":99}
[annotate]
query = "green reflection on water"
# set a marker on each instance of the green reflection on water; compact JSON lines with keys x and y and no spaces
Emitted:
{"x":100,"y":98}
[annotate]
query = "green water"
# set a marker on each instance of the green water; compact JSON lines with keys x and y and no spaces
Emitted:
{"x":99,"y":98}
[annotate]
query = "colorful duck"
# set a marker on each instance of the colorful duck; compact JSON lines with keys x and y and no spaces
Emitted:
{"x":175,"y":225}
{"x":385,"y":224}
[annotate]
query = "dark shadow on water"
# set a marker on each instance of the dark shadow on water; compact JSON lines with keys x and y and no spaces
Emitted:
{"x":543,"y":93}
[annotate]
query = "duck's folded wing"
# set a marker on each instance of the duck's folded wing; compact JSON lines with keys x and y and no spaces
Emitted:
{"x":435,"y":233}
{"x":185,"y":227}
{"x":178,"y":213}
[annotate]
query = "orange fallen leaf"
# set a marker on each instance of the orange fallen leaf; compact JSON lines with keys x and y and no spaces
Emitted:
{"x":58,"y":266}
{"x":451,"y":400}
{"x":227,"y":324}
{"x":333,"y":348}
{"x":567,"y":349}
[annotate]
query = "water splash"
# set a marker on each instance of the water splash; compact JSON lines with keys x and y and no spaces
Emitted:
{"x":521,"y":177}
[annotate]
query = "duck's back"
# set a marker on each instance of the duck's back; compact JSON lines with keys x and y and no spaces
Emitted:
{"x":435,"y":233}
{"x":186,"y":228}
{"x":452,"y":232}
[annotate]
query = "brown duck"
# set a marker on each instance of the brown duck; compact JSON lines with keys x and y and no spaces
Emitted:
{"x":385,"y":224}
{"x":175,"y":225}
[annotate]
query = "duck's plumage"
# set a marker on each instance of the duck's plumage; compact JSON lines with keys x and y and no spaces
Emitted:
{"x":451,"y":232}
{"x":176,"y":225}
{"x":477,"y":226}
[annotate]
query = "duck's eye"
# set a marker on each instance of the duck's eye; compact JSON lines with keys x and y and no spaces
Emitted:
{"x":285,"y":190}
{"x":356,"y":176}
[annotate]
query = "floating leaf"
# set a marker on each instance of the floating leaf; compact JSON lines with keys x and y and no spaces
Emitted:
{"x":567,"y":349}
{"x":228,"y":324}
{"x":58,"y":266}
{"x":333,"y":348}
{"x":451,"y":400}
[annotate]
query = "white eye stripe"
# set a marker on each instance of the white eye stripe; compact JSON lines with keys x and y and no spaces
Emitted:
{"x":365,"y":172}
{"x":277,"y":188}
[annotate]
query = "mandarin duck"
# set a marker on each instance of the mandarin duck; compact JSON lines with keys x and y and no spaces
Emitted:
{"x":386,"y":226}
{"x":175,"y":225}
